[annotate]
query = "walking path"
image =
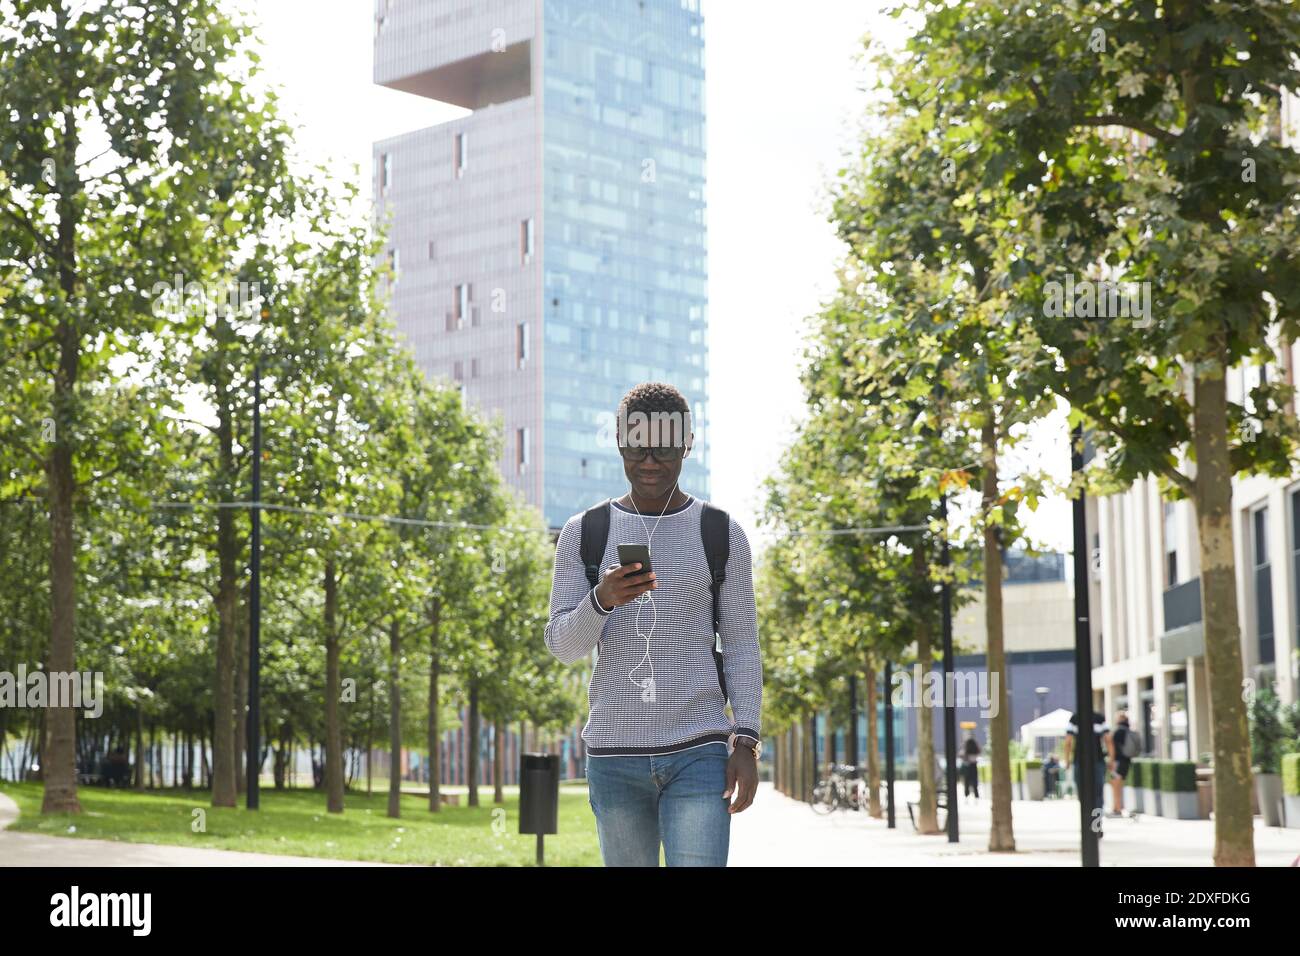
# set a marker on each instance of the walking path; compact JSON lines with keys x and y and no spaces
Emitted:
{"x":778,"y":831}
{"x":37,"y":849}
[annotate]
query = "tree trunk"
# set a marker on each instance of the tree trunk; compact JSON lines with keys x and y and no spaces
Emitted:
{"x":59,"y":760}
{"x":139,"y":747}
{"x":1001,"y":835}
{"x":927,"y":811}
{"x":370,"y":745}
{"x":59,"y":757}
{"x":471,"y":746}
{"x":851,"y":733}
{"x":224,"y":786}
{"x":394,"y":720}
{"x":205,"y":762}
{"x":435,"y":759}
{"x":1234,"y":836}
{"x":828,"y":744}
{"x":873,"y":748}
{"x":809,"y":759}
{"x":240,"y":710}
{"x":498,"y":760}
{"x":281,"y":762}
{"x":333,"y":692}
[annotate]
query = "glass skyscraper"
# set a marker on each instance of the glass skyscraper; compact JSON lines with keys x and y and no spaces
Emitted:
{"x":550,"y":246}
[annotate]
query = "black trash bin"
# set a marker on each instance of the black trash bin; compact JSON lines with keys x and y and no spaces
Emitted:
{"x":539,"y":793}
{"x":539,"y":796}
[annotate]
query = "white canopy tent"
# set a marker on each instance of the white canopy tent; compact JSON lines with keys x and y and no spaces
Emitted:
{"x":1052,"y":726}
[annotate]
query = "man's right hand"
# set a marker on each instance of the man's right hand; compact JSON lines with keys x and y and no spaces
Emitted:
{"x":621,"y":585}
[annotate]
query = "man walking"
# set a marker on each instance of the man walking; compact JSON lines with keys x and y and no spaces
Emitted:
{"x":663,"y":756}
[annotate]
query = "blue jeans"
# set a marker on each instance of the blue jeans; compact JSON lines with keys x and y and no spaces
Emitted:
{"x":677,"y":797}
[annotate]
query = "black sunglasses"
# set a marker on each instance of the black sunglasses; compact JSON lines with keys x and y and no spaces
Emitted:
{"x":664,"y":453}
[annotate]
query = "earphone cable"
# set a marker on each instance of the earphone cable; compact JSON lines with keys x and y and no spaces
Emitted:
{"x":648,"y":686}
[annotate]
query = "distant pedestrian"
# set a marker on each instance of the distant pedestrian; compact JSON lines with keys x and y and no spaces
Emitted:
{"x":1125,"y":745}
{"x":970,"y":756}
{"x":1051,"y":775}
{"x":1103,"y":745}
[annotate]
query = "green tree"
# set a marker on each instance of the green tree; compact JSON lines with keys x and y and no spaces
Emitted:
{"x":1143,"y":136}
{"x":121,"y":115}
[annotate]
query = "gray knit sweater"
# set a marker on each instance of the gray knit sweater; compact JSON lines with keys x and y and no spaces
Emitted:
{"x":686,"y":708}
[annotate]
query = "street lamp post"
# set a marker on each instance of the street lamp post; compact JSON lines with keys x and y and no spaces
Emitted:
{"x":254,"y":764}
{"x":1087,"y":749}
{"x":949,"y":706}
{"x":889,"y":743}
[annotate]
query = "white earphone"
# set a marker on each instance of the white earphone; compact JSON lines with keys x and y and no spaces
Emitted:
{"x":647,"y":597}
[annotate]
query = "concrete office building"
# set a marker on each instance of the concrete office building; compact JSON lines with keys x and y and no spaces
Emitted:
{"x":1148,"y":637}
{"x":549,"y":247}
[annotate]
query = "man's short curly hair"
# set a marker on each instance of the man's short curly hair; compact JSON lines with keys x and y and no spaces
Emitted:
{"x":650,"y":398}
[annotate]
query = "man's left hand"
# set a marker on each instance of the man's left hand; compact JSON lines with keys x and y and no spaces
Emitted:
{"x":742,"y":778}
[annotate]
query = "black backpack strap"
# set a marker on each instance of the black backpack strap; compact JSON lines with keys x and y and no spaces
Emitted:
{"x":595,"y":535}
{"x":715,"y":530}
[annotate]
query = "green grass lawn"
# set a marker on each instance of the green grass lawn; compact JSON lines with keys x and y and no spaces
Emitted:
{"x":295,"y":822}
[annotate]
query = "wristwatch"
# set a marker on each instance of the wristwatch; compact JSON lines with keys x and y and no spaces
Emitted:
{"x":733,"y":740}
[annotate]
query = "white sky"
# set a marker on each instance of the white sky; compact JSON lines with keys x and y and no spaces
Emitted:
{"x":783,"y":97}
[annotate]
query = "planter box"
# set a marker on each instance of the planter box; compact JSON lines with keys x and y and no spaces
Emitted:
{"x":1205,"y":798}
{"x":1180,"y":805}
{"x":1150,"y":800}
{"x":1034,"y":784}
{"x":1268,"y":787}
{"x":1135,"y":786}
{"x":1178,"y":790}
{"x":1144,"y":781}
{"x":1291,"y":808}
{"x":1291,"y":791}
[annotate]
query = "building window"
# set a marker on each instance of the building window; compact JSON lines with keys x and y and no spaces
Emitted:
{"x":526,"y":241}
{"x":458,"y":370}
{"x":521,"y":450}
{"x":1171,"y":544}
{"x":432,"y":253}
{"x":473,"y":368}
{"x":460,"y":305}
{"x":385,"y":173}
{"x":1263,"y":585}
{"x":460,"y":153}
{"x":521,"y":344}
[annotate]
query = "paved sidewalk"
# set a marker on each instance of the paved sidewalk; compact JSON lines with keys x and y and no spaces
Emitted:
{"x":778,"y":831}
{"x":37,"y":849}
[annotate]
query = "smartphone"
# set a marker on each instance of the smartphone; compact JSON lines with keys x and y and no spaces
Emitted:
{"x":632,"y":554}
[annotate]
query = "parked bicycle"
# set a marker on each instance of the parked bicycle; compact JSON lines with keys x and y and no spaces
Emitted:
{"x":843,"y":788}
